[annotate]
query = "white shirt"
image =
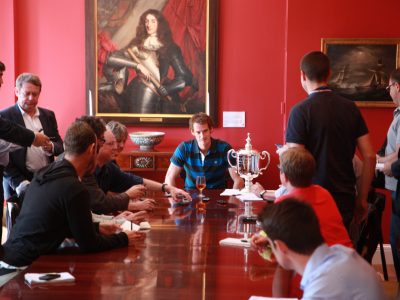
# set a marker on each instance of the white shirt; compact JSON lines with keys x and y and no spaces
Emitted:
{"x":36,"y":157}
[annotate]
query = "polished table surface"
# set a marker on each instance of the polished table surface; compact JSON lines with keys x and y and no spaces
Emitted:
{"x":180,"y":259}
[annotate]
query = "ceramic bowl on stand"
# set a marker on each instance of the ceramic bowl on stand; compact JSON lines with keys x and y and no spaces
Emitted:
{"x":147,"y":139}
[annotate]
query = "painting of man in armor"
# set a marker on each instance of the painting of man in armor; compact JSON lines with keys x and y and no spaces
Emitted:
{"x":151,"y":57}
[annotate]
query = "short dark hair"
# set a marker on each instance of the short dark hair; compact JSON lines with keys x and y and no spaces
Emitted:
{"x":298,"y":165}
{"x":2,"y":67}
{"x":201,"y":118}
{"x":28,"y":78}
{"x":97,"y":124}
{"x":395,"y":75}
{"x":316,"y":66}
{"x":78,"y":138}
{"x":118,"y":129}
{"x":294,"y":223}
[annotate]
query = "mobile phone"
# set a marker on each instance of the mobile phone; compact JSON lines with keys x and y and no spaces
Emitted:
{"x":249,"y":219}
{"x":50,"y":276}
{"x":222,"y":201}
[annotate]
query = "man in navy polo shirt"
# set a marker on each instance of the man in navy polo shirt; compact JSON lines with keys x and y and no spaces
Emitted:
{"x":202,"y":156}
{"x":331,"y":128}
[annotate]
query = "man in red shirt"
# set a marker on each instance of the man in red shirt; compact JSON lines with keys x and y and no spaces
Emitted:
{"x":297,"y":167}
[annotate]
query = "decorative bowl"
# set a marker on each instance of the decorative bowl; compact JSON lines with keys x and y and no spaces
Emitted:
{"x":147,"y":139}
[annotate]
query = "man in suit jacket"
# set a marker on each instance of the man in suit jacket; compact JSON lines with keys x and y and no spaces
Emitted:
{"x":26,"y":161}
{"x":14,"y":133}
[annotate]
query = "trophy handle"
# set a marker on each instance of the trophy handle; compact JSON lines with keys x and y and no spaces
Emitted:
{"x":262,"y":156}
{"x":233,"y":155}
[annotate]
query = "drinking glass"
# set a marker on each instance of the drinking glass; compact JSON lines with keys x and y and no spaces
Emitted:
{"x":201,"y":184}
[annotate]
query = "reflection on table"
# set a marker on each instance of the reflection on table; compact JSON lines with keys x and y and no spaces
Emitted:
{"x":180,"y":259}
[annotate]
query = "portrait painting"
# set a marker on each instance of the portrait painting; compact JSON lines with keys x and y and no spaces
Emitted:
{"x":361,"y":68}
{"x":151,"y":62}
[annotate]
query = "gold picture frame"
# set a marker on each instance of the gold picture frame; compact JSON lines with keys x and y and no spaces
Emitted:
{"x":361,"y":68}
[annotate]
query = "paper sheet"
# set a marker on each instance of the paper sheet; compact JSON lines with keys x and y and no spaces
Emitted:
{"x":235,"y":242}
{"x":249,"y":197}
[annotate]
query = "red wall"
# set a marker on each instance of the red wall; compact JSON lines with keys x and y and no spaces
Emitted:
{"x":261,"y":43}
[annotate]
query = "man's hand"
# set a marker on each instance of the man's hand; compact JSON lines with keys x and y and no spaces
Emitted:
{"x":145,"y":204}
{"x":387,"y":168}
{"x":136,"y":191}
{"x":258,"y":242}
{"x":135,"y":238}
{"x":144,"y":71}
{"x":162,"y":91}
{"x":48,"y":147}
{"x":360,"y":212}
{"x":256,"y":188}
{"x":178,"y":194}
{"x":40,"y":140}
{"x":109,"y":228}
{"x":134,"y":217}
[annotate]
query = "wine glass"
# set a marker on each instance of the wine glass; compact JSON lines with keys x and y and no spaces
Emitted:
{"x":201,"y":184}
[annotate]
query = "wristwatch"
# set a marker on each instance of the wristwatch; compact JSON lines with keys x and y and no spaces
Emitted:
{"x":262,"y":193}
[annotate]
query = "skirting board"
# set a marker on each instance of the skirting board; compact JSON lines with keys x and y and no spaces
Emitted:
{"x":376,"y":260}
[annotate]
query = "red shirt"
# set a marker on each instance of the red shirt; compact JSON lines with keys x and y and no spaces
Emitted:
{"x":330,"y":220}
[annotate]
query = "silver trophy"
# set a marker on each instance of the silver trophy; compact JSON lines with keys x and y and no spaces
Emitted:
{"x":248,"y":163}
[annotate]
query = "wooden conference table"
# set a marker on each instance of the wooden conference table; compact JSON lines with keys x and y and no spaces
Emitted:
{"x":180,"y":259}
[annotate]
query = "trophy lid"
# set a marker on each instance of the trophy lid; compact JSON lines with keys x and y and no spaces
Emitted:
{"x":248,"y":149}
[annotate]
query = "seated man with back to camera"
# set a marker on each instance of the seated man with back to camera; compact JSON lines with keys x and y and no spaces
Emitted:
{"x":57,"y":206}
{"x":202,"y":156}
{"x":328,"y":272}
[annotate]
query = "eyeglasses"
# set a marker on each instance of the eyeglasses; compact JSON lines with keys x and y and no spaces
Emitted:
{"x":389,"y":86}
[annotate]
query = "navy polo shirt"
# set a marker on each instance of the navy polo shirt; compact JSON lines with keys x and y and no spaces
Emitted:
{"x":188,"y":157}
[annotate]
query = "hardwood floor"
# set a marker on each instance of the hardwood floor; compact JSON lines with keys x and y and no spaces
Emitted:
{"x":391,"y":287}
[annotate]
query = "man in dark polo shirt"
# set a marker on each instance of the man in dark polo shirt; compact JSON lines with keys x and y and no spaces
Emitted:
{"x":331,"y":128}
{"x":202,"y":156}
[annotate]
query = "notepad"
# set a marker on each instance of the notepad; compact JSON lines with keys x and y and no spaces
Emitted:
{"x":235,"y":242}
{"x":33,"y":279}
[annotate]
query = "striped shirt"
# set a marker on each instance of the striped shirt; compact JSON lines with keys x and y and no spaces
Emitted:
{"x":214,"y":168}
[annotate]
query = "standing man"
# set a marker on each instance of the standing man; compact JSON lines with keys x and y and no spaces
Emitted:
{"x":203,"y":156}
{"x":335,"y":272}
{"x":331,"y":128}
{"x":24,"y":162}
{"x":58,"y":207}
{"x":13,"y":133}
{"x":391,"y":168}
